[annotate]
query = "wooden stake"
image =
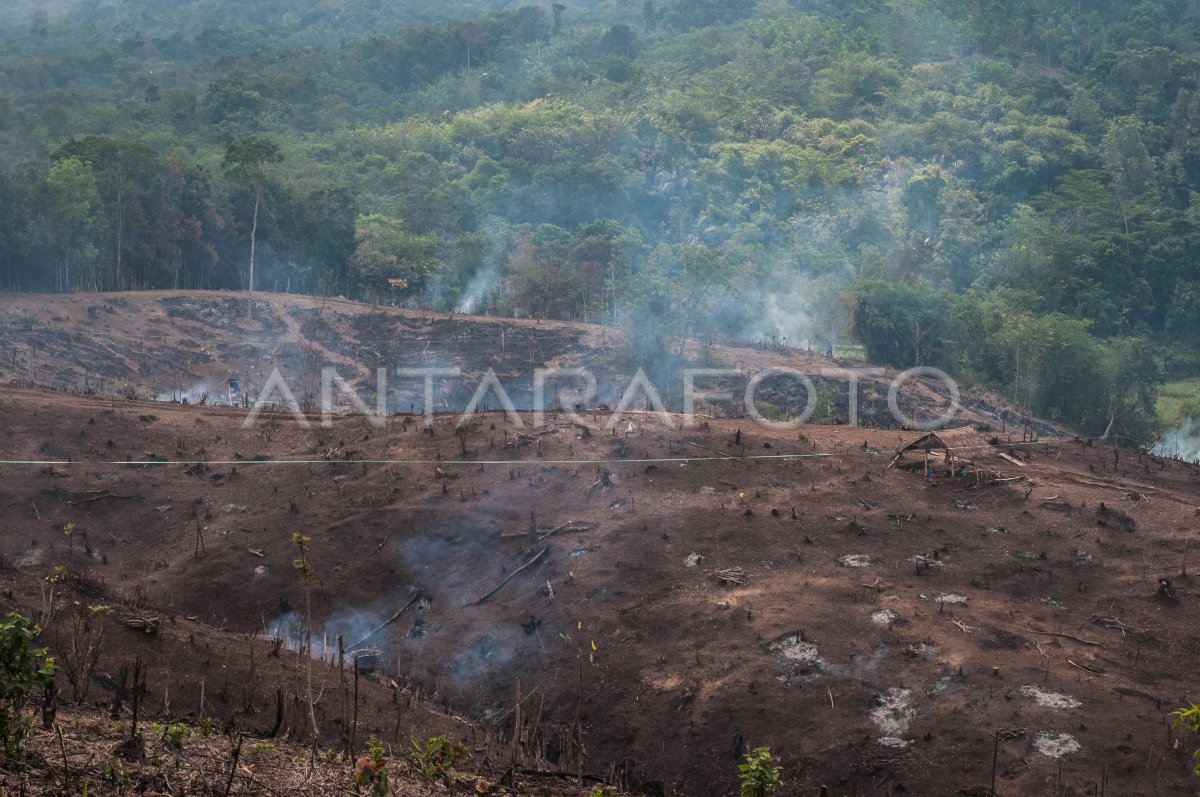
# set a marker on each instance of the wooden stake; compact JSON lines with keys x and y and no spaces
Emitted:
{"x":995,"y":761}
{"x":516,"y":739}
{"x":354,"y":723}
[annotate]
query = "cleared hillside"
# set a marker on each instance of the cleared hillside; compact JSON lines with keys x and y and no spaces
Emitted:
{"x":888,"y":624}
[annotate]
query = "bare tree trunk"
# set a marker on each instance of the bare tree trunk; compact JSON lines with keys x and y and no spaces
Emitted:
{"x":254,"y":233}
{"x":120,"y":240}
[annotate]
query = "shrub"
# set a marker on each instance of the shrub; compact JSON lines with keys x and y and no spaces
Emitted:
{"x":1189,"y":718}
{"x":759,"y":775}
{"x":434,"y":757}
{"x":24,"y":671}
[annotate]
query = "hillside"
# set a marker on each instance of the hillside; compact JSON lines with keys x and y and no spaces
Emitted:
{"x":887,"y":626}
{"x":1003,"y":190}
{"x":173,"y":346}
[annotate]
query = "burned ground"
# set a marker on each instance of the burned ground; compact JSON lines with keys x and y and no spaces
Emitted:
{"x":173,"y":345}
{"x":874,"y":627}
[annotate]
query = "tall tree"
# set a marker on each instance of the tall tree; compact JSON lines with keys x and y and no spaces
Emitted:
{"x":248,"y":160}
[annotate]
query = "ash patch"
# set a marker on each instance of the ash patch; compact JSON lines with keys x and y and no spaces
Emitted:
{"x":1055,"y":744}
{"x":892,"y":713}
{"x":854,"y":560}
{"x":801,"y":658}
{"x":884,"y":617}
{"x":1044,"y":697}
{"x":31,"y":558}
{"x":949,"y":598}
{"x":944,"y":683}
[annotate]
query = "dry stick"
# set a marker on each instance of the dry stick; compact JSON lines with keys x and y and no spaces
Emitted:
{"x":341,"y":668}
{"x":354,"y":724}
{"x":995,"y":761}
{"x":36,"y":513}
{"x":1085,"y":669}
{"x":99,"y":497}
{"x":379,"y":547}
{"x":386,"y":622}
{"x":237,"y":753}
{"x":724,"y":455}
{"x":200,"y":549}
{"x":510,"y":576}
{"x":581,"y":525}
{"x":62,"y":748}
{"x":1067,"y":636}
{"x":516,"y":740}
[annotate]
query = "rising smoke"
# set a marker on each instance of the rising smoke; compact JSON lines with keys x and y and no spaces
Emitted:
{"x":1182,"y":442}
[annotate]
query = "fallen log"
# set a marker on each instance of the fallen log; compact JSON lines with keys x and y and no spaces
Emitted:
{"x":733,"y":576}
{"x":386,"y":623}
{"x":510,"y":576}
{"x":101,"y":496}
{"x":1067,"y":636}
{"x":147,"y":625}
{"x":569,"y":527}
{"x":1088,"y":670}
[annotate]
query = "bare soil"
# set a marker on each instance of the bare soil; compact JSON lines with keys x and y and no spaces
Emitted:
{"x":887,"y":627}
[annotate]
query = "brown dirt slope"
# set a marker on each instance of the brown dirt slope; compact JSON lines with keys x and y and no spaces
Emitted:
{"x":170,"y":345}
{"x":887,"y":624}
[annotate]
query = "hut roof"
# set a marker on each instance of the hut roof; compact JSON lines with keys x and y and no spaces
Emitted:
{"x":963,"y":444}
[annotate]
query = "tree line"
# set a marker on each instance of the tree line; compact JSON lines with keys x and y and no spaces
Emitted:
{"x":1004,"y":189}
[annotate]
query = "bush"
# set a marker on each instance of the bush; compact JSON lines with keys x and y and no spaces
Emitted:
{"x":24,"y":671}
{"x":1189,"y":718}
{"x":759,"y":775}
{"x":433,"y":758}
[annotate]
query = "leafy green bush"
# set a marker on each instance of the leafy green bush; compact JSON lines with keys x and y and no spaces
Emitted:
{"x":371,"y":770}
{"x":434,"y":757}
{"x":173,"y":735}
{"x":1189,"y":718}
{"x":759,"y":775}
{"x":24,"y":671}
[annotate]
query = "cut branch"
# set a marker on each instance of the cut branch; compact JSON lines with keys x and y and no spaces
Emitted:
{"x":510,"y":576}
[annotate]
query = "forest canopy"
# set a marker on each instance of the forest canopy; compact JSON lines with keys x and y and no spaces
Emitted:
{"x":1006,"y":190}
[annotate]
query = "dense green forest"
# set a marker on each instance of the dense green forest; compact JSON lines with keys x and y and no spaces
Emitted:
{"x":1006,"y":189}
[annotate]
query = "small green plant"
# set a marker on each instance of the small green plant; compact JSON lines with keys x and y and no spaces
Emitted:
{"x":25,"y":670}
{"x":260,"y":748}
{"x":434,"y":757}
{"x":173,"y":735}
{"x":1189,"y":718}
{"x":205,"y":727}
{"x":371,"y":769}
{"x":770,"y":411}
{"x":114,"y":774}
{"x":760,"y":774}
{"x":600,"y":790}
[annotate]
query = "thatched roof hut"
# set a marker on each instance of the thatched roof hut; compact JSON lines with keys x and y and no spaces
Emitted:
{"x":957,"y":448}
